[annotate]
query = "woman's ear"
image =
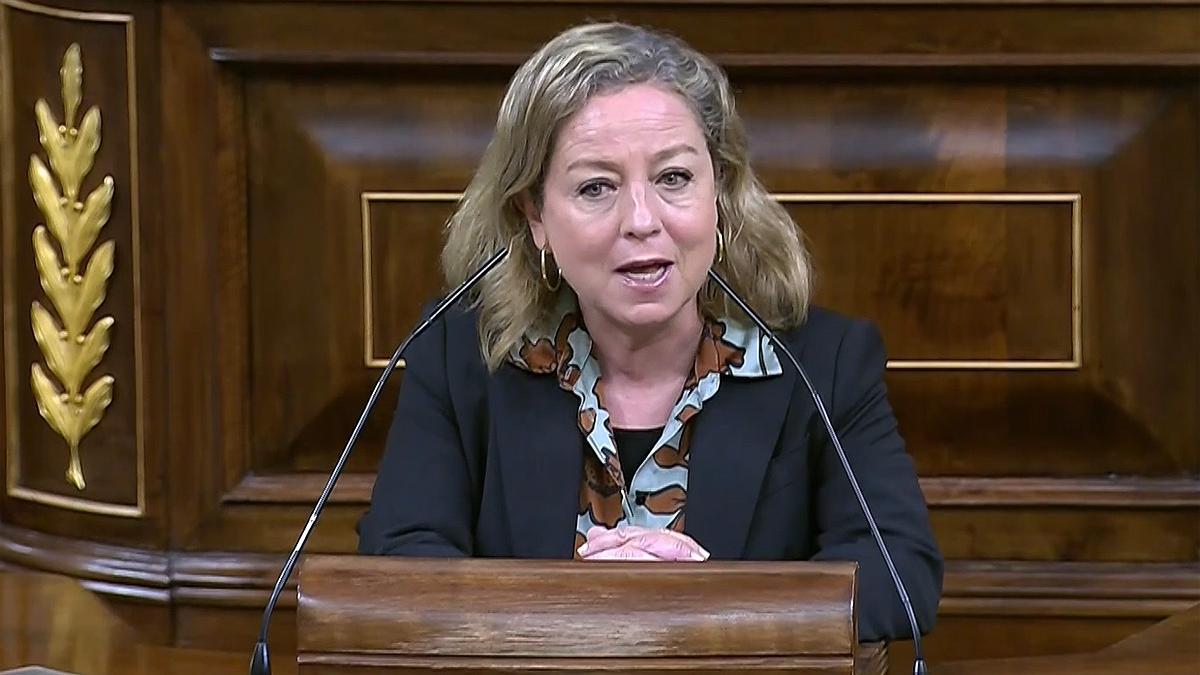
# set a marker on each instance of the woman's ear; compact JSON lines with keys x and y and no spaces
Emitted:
{"x":533,"y":216}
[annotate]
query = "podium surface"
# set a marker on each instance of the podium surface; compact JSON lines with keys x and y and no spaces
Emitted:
{"x":488,"y":616}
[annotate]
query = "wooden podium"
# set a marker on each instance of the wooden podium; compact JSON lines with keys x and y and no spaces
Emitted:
{"x":487,"y":616}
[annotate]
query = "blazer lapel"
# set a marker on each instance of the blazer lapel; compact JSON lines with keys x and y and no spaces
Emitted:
{"x":735,"y":436}
{"x":540,"y":450}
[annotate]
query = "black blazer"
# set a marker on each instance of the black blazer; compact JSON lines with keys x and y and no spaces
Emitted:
{"x":489,"y":464}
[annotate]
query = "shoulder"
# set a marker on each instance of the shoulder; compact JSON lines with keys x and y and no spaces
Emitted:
{"x":843,"y":355}
{"x":449,"y":348}
{"x":826,"y":333}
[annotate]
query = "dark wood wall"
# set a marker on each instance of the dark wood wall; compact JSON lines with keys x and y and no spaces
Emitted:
{"x":1009,"y":189}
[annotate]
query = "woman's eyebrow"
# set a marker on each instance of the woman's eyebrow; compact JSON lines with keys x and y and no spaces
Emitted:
{"x":609,"y":165}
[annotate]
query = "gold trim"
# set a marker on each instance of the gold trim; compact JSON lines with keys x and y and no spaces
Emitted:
{"x":369,"y":359}
{"x":1073,"y":198}
{"x":71,"y":14}
{"x":12,"y":458}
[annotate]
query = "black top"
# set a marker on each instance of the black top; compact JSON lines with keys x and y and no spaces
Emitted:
{"x":633,"y":445}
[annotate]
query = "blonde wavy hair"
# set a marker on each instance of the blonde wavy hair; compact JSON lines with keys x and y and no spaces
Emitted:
{"x":765,"y":257}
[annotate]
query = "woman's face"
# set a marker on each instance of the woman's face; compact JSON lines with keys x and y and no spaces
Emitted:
{"x":629,"y":207}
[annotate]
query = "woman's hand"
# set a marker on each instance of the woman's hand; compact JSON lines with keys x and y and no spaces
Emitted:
{"x":640,"y":543}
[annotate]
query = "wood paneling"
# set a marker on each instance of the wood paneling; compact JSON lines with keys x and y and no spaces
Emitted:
{"x":120,"y":457}
{"x":545,"y":615}
{"x":35,"y":51}
{"x":1066,"y":498}
{"x":56,"y":623}
{"x":960,"y":280}
{"x":1167,"y":648}
{"x":37,"y":456}
{"x":551,"y":608}
{"x":398,"y":278}
{"x":205,"y":278}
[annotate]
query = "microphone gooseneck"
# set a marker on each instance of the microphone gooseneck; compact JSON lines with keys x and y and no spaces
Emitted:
{"x":919,"y":667}
{"x":260,"y":663}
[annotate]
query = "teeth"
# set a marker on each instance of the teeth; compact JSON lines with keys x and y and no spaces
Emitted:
{"x":646,"y":273}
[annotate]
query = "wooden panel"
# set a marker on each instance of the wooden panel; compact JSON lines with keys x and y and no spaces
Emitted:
{"x":119,"y":456}
{"x":307,"y":252}
{"x":983,"y":279}
{"x":957,"y":267}
{"x":1168,"y":648}
{"x":400,"y":231}
{"x":1045,"y":32}
{"x":217,"y":598}
{"x":553,"y":610}
{"x":1148,"y":326}
{"x":1140,"y":535}
{"x":38,"y":456}
{"x":871,"y":660}
{"x":1025,"y":424}
{"x":57,"y":623}
{"x":205,"y":276}
{"x":996,"y":637}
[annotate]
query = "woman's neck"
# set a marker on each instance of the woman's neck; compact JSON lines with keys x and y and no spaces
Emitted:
{"x":647,"y":356}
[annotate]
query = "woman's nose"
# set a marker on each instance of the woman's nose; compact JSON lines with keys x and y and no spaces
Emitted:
{"x":641,"y":218}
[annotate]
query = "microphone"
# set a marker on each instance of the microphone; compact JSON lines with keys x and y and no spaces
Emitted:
{"x":260,"y":662}
{"x":919,"y":663}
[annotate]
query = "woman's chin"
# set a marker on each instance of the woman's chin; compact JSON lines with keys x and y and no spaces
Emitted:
{"x":642,"y":315}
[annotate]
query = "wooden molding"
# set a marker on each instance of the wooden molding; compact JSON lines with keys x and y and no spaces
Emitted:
{"x":1089,"y":492}
{"x":118,"y":566}
{"x":300,"y":488}
{"x":891,"y":62}
{"x":244,"y":579}
{"x":1075,"y":580}
{"x":1139,"y":493}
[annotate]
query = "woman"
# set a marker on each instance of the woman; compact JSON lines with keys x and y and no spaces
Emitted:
{"x":601,"y":399}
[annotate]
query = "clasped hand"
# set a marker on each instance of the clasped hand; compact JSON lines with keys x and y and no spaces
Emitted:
{"x":640,"y":543}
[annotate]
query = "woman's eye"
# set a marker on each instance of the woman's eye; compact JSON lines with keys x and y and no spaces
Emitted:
{"x":593,"y":189}
{"x":675,"y":178}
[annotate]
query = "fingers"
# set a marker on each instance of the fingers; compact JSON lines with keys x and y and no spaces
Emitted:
{"x":660,"y":544}
{"x":622,"y":553}
{"x":665,"y":547}
{"x":602,"y":538}
{"x":687,"y":541}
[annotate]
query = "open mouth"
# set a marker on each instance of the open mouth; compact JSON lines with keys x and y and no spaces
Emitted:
{"x":645,"y":273}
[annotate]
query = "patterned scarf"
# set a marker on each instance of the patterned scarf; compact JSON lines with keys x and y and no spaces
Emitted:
{"x":562,"y":346}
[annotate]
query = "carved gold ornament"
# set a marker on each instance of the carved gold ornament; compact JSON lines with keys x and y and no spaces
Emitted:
{"x":75,"y":284}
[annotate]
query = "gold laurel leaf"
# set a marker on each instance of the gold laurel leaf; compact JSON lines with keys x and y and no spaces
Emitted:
{"x":59,"y":353}
{"x":95,"y":214}
{"x":48,"y":199}
{"x":75,"y":470}
{"x":71,"y":75}
{"x":95,"y":402}
{"x":92,"y":288}
{"x":74,"y":160}
{"x":95,"y":344}
{"x":50,"y":405}
{"x":49,"y":136}
{"x":57,"y":145}
{"x":46,"y":259}
{"x":83,"y":151}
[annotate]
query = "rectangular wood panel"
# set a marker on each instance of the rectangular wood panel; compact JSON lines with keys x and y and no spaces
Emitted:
{"x":953,"y":280}
{"x":112,"y":455}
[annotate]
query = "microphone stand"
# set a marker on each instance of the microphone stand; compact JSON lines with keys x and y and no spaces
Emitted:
{"x":919,"y":667}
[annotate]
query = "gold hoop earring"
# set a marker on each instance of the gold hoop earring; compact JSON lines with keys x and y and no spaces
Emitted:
{"x":552,"y":286}
{"x":720,"y":246}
